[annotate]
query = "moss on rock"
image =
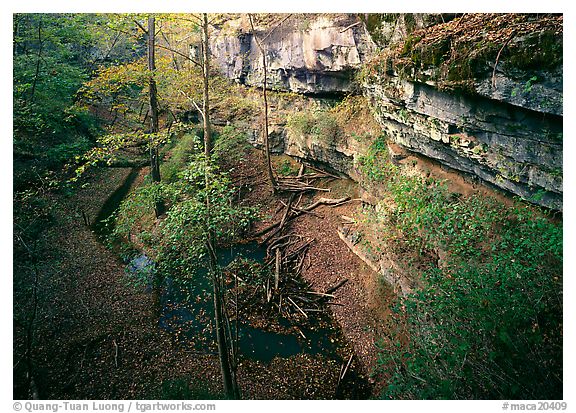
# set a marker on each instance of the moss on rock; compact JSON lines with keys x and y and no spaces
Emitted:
{"x":456,"y":53}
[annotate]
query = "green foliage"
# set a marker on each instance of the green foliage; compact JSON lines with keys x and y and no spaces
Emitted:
{"x":321,"y":124}
{"x":488,"y":322}
{"x":374,"y":164}
{"x":286,"y":168}
{"x":230,"y":145}
{"x":54,"y":55}
{"x":540,"y":51}
{"x":456,"y":53}
{"x":107,"y":146}
{"x":63,"y":152}
{"x":201,"y":204}
{"x":181,"y":154}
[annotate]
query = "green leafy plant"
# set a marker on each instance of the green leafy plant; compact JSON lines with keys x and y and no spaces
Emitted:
{"x":321,"y":124}
{"x":487,"y":323}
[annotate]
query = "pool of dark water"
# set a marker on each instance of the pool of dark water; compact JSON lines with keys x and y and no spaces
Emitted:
{"x":187,"y":311}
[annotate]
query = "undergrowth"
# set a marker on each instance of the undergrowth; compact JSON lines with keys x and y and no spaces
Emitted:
{"x":321,"y":124}
{"x":486,"y":322}
{"x":177,"y":242}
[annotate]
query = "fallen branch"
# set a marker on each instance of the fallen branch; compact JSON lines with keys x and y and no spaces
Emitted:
{"x":347,"y":365}
{"x":298,"y":250}
{"x":300,"y":264}
{"x":300,"y":188}
{"x":321,"y":201}
{"x":347,"y":219}
{"x":276,"y":243}
{"x":340,"y":284}
{"x":306,"y":176}
{"x":301,"y":171}
{"x":320,"y":294}
{"x":349,"y":27}
{"x":277,"y":272}
{"x":297,"y":209}
{"x":297,"y":307}
{"x":301,"y":333}
{"x":326,"y":201}
{"x":323,"y":172}
{"x":283,"y":221}
{"x":115,"y":353}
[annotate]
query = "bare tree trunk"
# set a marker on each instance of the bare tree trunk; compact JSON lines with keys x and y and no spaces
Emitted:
{"x":266,"y":143}
{"x":159,"y":206}
{"x":230,"y":387}
{"x":265,"y":128}
{"x":205,"y":78}
{"x":38,"y":60}
{"x":228,"y":375}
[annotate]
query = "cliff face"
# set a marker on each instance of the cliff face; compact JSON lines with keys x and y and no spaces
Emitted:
{"x":481,"y":94}
{"x":513,"y":148}
{"x":315,"y":54}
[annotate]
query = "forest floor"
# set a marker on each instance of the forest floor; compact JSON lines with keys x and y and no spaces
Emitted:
{"x":97,"y":337}
{"x":363,"y":302}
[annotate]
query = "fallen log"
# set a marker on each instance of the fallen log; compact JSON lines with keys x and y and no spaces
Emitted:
{"x":300,"y":250}
{"x":301,"y":188}
{"x":301,"y":171}
{"x":277,"y":272}
{"x":283,"y":221}
{"x":323,"y":172}
{"x":300,"y":264}
{"x":320,"y":294}
{"x":297,"y":209}
{"x":326,"y":201}
{"x":347,"y":220}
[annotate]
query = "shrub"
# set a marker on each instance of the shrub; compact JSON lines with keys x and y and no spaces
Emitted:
{"x":321,"y":124}
{"x":488,"y":323}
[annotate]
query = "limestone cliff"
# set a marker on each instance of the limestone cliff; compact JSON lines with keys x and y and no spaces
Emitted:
{"x":480,"y":93}
{"x":312,"y":54}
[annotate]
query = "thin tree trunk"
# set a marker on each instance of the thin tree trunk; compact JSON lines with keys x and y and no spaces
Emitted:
{"x":264,"y":87}
{"x":205,"y":78}
{"x":159,"y":207}
{"x":228,"y":375}
{"x":266,"y":143}
{"x":38,"y":60}
{"x":229,"y":387}
{"x":15,"y":29}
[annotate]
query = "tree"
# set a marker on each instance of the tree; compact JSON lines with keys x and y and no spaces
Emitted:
{"x":205,"y":79}
{"x":159,"y":208}
{"x":187,"y":87}
{"x":227,"y":366}
{"x":262,"y":49}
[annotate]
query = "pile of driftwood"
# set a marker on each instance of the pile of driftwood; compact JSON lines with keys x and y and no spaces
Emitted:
{"x":287,"y":253}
